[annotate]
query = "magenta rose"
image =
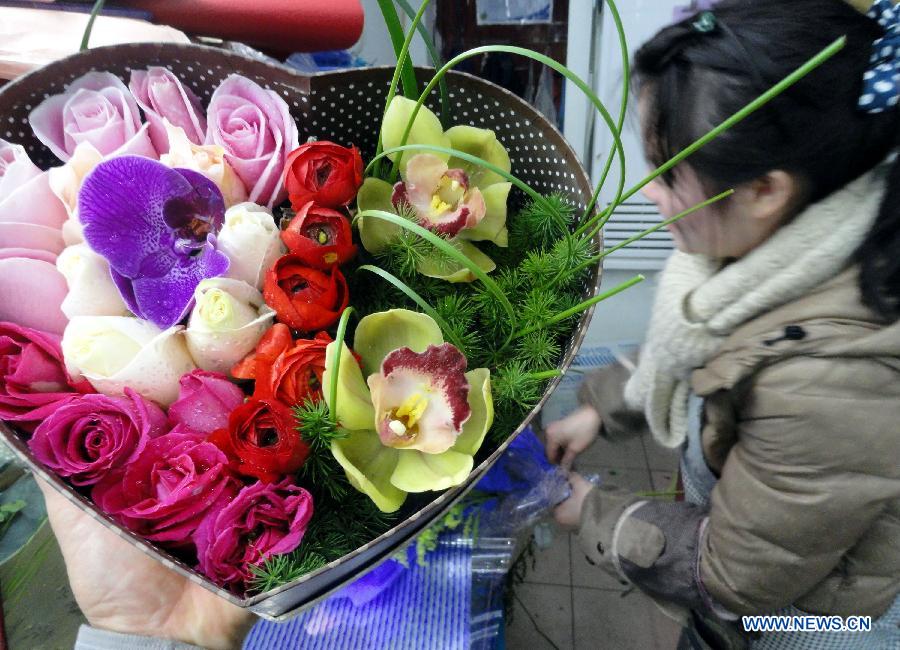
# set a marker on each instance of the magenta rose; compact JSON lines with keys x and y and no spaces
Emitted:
{"x":33,"y":376}
{"x":263,"y":519}
{"x":161,"y":95}
{"x":205,"y":401}
{"x":96,"y":108}
{"x":87,"y":436}
{"x":256,"y":129}
{"x":166,"y":492}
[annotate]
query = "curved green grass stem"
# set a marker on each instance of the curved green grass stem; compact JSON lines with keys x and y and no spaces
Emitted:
{"x":600,"y":220}
{"x":402,"y":57}
{"x":416,"y":298}
{"x":475,"y":160}
{"x":577,"y":309}
{"x":648,"y":231}
{"x":395,"y":30}
{"x":547,"y":374}
{"x":450,"y":251}
{"x":626,"y":92}
{"x":510,"y":49}
{"x":339,"y":339}
{"x":86,"y":37}
{"x":435,"y":61}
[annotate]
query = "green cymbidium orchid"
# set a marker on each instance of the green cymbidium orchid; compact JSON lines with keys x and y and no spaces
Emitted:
{"x":456,"y":199}
{"x":414,"y":417}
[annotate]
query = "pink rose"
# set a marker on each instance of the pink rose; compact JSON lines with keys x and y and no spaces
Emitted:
{"x":263,"y":519}
{"x":32,"y":291}
{"x":256,"y":129}
{"x":33,"y":376}
{"x":96,"y":108}
{"x":86,"y":436}
{"x":161,"y":95}
{"x":205,"y":401}
{"x":166,"y":492}
{"x":26,"y":197}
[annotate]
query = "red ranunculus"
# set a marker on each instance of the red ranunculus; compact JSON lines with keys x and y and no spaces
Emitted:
{"x":324,"y":172}
{"x":287,"y":370}
{"x":321,"y":237}
{"x":262,"y":440}
{"x":305,"y":299}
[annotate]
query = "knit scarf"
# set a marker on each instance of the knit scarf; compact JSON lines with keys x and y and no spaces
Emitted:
{"x":699,"y":303}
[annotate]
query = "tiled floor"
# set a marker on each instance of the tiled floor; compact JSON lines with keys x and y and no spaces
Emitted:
{"x":567,"y":603}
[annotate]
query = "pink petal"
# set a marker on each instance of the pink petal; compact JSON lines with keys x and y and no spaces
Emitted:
{"x":29,"y":253}
{"x":31,"y":292}
{"x":424,"y":173}
{"x":28,"y":235}
{"x":161,"y":95}
{"x":16,"y":168}
{"x":34,"y":203}
{"x":47,"y":123}
{"x":139,"y":145}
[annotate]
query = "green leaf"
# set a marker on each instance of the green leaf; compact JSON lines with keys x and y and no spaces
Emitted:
{"x":418,"y":472}
{"x":354,"y":403}
{"x":377,"y":335}
{"x":482,"y":405}
{"x":369,"y":466}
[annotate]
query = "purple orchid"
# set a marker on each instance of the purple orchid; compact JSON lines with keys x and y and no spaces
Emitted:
{"x":157,"y":228}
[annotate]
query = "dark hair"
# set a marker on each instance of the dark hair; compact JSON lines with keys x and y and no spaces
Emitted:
{"x":693,"y":80}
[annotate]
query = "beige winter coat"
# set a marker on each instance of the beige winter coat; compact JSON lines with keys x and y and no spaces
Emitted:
{"x":805,"y":437}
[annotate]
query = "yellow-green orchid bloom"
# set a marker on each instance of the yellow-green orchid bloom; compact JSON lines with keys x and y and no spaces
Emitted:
{"x":414,"y":417}
{"x":456,"y":199}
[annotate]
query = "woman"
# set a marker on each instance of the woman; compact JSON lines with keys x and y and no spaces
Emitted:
{"x":773,"y":354}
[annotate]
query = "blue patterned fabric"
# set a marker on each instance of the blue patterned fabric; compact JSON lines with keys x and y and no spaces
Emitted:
{"x":881,"y":82}
{"x":426,"y":607}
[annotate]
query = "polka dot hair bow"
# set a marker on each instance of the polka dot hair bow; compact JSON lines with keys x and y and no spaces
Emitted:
{"x":881,"y":87}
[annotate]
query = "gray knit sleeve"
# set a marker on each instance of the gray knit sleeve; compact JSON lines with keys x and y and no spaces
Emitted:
{"x":90,"y":638}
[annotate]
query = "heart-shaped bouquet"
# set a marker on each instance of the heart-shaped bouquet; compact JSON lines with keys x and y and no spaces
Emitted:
{"x":269,"y":326}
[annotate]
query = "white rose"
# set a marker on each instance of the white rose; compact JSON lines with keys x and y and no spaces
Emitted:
{"x":252,"y":242}
{"x":228,"y":320}
{"x":66,"y":182}
{"x":91,"y":289}
{"x":115,"y":352}
{"x":208,"y":160}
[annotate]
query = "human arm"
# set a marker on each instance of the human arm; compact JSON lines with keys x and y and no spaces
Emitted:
{"x":602,"y":412}
{"x":810,"y":473}
{"x":120,"y":589}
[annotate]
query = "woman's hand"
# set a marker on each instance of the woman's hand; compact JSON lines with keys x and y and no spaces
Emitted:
{"x":572,"y":435}
{"x":568,"y":513}
{"x":120,"y":589}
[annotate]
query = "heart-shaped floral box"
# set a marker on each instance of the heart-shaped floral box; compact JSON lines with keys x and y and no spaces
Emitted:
{"x":344,"y":107}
